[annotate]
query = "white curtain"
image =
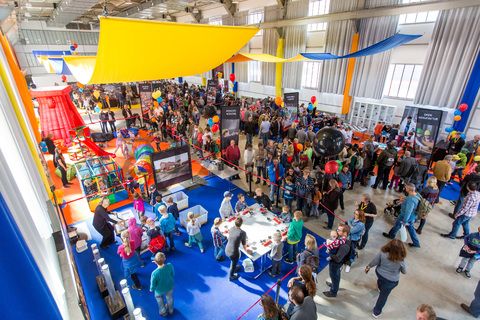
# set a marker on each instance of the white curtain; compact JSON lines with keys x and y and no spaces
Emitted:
{"x":241,"y":68}
{"x":371,"y":71}
{"x":270,"y":38}
{"x":295,"y":43}
{"x":339,"y":38}
{"x":451,"y":54}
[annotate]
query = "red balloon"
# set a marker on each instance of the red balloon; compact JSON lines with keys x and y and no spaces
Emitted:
{"x":232,"y":77}
{"x":75,"y":45}
{"x":215,"y":127}
{"x":64,"y":78}
{"x":331,"y":167}
{"x":313,"y":99}
{"x":463,"y":107}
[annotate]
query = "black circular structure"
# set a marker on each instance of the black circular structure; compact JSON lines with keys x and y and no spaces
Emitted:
{"x":329,"y":142}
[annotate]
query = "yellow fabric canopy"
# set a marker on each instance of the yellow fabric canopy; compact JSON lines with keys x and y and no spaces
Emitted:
{"x":244,"y":57}
{"x":131,"y":50}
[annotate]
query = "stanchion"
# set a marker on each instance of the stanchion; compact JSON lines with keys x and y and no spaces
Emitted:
{"x":137,"y":314}
{"x":278,"y":196}
{"x":128,"y":301}
{"x":123,"y":284}
{"x":250,"y":193}
{"x":115,"y":304}
{"x":277,"y":292}
{"x":100,"y":279}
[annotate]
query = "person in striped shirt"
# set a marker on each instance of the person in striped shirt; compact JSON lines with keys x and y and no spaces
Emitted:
{"x":218,"y":240}
{"x":468,"y":210}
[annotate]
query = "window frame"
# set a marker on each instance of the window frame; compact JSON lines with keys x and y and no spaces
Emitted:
{"x":256,"y":75}
{"x":389,"y":81}
{"x":305,"y":76}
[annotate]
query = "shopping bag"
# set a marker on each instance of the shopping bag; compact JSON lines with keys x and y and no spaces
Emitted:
{"x":403,"y":233}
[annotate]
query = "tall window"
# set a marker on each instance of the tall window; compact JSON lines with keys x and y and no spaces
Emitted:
{"x":255,"y":17}
{"x":315,"y":8}
{"x":215,"y":21}
{"x":402,"y":80}
{"x":310,"y":74}
{"x":417,"y":17}
{"x":254,"y":71}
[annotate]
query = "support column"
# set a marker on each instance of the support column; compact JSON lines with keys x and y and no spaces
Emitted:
{"x":347,"y":99}
{"x":279,"y":69}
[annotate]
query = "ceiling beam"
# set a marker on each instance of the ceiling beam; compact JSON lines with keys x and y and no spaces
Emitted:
{"x":229,"y":6}
{"x":374,"y":12}
{"x":197,"y":16}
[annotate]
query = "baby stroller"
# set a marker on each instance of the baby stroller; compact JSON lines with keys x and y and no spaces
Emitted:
{"x":393,"y":208}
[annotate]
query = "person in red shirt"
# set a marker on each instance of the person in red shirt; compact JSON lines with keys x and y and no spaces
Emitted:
{"x":232,"y":155}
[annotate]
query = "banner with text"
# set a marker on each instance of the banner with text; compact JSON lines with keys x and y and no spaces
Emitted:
{"x":229,"y":125}
{"x":291,"y":101}
{"x":146,"y":101}
{"x":427,"y":127}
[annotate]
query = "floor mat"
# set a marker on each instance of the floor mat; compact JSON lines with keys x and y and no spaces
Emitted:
{"x":202,"y":290}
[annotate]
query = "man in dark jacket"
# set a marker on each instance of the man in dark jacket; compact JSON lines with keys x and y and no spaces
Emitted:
{"x":337,"y":260}
{"x":101,"y":223}
{"x":385,"y":162}
{"x":103,"y":117}
{"x":406,"y":169}
{"x":262,"y":199}
{"x":455,"y":144}
{"x":250,"y":129}
{"x":303,"y":307}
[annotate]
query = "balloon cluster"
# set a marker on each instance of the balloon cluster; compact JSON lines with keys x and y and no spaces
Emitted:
{"x":213,"y":123}
{"x":64,"y":78}
{"x":457,"y":116}
{"x":312,"y":103}
{"x":157,"y":96}
{"x":74,"y":46}
{"x":43,"y":146}
{"x":234,"y":83}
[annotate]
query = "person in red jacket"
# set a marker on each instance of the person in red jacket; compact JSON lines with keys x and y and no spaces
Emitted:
{"x":232,"y":155}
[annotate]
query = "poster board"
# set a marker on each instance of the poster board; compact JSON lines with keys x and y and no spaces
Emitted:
{"x":291,"y":100}
{"x":428,"y":124}
{"x":229,"y":125}
{"x":146,"y":101}
{"x":172,"y":166}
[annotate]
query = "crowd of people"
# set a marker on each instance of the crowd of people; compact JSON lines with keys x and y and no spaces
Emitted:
{"x":284,"y":160}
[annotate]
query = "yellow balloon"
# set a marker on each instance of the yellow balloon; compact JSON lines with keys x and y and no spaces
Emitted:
{"x":99,"y":104}
{"x":156,"y":94}
{"x":96,"y":94}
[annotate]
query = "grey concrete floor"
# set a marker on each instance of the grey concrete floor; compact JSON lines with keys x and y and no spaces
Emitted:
{"x":430,"y":278}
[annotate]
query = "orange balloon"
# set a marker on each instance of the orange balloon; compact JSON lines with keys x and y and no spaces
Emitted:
{"x":457,"y":118}
{"x":299,"y":146}
{"x":278,"y":101}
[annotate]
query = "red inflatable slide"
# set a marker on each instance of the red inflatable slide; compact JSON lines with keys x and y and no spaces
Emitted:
{"x":96,"y":149}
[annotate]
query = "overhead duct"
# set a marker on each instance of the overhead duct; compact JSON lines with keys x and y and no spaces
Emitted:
{"x":69,"y":10}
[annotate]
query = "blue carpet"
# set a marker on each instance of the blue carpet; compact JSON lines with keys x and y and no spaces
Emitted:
{"x":202,"y":289}
{"x":451,"y":192}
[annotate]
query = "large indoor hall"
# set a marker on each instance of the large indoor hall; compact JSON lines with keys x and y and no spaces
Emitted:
{"x":240,"y":159}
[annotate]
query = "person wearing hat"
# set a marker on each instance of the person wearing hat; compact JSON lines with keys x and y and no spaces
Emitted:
{"x":460,"y":163}
{"x":226,"y":209}
{"x":455,"y":143}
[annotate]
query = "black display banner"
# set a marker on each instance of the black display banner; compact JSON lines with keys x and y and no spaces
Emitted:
{"x":229,"y":125}
{"x":291,"y":100}
{"x":428,"y":124}
{"x":172,"y":166}
{"x":146,"y":101}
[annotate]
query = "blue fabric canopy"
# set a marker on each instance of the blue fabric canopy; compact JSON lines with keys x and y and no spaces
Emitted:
{"x":384,"y":45}
{"x":51,"y":53}
{"x":60,"y":66}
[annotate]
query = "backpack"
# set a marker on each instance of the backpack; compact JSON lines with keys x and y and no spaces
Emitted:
{"x":424,"y":207}
{"x":312,"y":260}
{"x":351,"y":251}
{"x":389,"y":159}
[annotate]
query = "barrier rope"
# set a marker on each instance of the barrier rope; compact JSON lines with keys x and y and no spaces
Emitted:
{"x":271,"y":288}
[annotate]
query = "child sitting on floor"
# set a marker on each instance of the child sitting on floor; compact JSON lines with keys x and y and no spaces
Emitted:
{"x":333,"y":243}
{"x":285,"y":215}
{"x":194,"y":233}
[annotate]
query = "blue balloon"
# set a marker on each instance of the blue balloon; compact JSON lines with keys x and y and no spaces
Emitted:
{"x":310,"y":107}
{"x":448,"y":129}
{"x":43,"y":144}
{"x":463,"y":136}
{"x":235,"y":86}
{"x":44,"y":149}
{"x":159,"y":100}
{"x":80,"y":89}
{"x":457,"y":112}
{"x":210,"y":122}
{"x":72,"y":48}
{"x":97,"y":109}
{"x":180,"y":80}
